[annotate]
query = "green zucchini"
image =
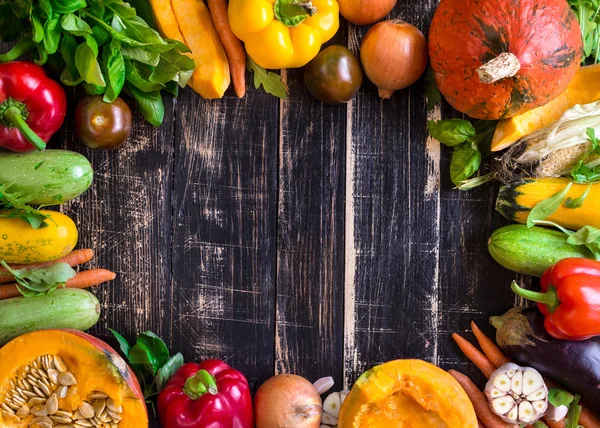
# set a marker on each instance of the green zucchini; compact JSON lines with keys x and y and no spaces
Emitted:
{"x":64,"y":308}
{"x":531,"y":251}
{"x":49,"y":177}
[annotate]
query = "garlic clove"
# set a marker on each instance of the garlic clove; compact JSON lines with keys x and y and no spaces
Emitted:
{"x":513,"y":414}
{"x":526,"y":412}
{"x":495,"y":393}
{"x":540,"y":406}
{"x":328,"y":419}
{"x":510,"y":369}
{"x":516,"y":383}
{"x":332,"y":404}
{"x":324,"y":384}
{"x":540,"y":394}
{"x":532,"y":381}
{"x":502,"y":382}
{"x":503,"y":405}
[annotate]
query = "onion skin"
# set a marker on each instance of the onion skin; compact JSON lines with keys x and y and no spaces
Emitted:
{"x":287,"y":401}
{"x":365,"y":12}
{"x":394,"y":55}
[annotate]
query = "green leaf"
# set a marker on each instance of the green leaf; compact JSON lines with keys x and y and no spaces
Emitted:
{"x":166,"y":372}
{"x":115,"y":66}
{"x":547,"y":207}
{"x":572,"y":419}
{"x":67,"y":6}
{"x":46,"y":7}
{"x":150,"y":104}
{"x":557,"y":397}
{"x":87,"y":63}
{"x":23,"y":46}
{"x":73,"y":24}
{"x":465,"y":163}
{"x":123,"y":343}
{"x":15,"y":206}
{"x":144,"y":11}
{"x":141,"y":355}
{"x":271,"y":82}
{"x":141,"y":54}
{"x":578,"y":202}
{"x":37,"y":29}
{"x":35,"y":282}
{"x":451,"y":132}
{"x":434,"y":97}
{"x":52,"y":33}
{"x":584,"y":236}
{"x":155,"y":344}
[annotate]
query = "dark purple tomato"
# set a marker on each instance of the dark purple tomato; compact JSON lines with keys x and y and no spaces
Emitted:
{"x":334,"y":76}
{"x":102,"y":125}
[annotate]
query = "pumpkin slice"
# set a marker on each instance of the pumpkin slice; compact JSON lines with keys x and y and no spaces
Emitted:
{"x":407,"y":393}
{"x":583,"y":89}
{"x":59,"y":377}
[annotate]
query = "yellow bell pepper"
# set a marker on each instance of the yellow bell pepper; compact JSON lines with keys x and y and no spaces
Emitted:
{"x":284,"y":33}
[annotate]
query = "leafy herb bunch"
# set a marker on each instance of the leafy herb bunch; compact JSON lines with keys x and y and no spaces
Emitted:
{"x":102,"y":44}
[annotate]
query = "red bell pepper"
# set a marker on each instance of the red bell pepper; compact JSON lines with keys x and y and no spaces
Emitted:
{"x":32,"y":107}
{"x":570,"y":299}
{"x":207,"y":395}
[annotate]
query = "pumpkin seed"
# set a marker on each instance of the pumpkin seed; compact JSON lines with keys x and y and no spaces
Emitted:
{"x":40,"y":425}
{"x":52,"y":404}
{"x":11,"y":417}
{"x":59,"y":364}
{"x":99,"y":406}
{"x":64,"y":414}
{"x":84,"y":423}
{"x":35,"y":401}
{"x":46,"y":389}
{"x":7,"y":408}
{"x":62,"y":391}
{"x":110,"y":404}
{"x":28,"y":394}
{"x":97,"y":395}
{"x":23,"y":411}
{"x":86,"y":410}
{"x":64,"y":426}
{"x":42,"y":419}
{"x":61,"y":419}
{"x":17,"y":399}
{"x":39,"y":392}
{"x":77,"y":416}
{"x":66,"y":379}
{"x":39,"y":410}
{"x":53,"y":375}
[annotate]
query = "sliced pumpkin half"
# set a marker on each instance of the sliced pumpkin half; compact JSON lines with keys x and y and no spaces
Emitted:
{"x":67,"y":378}
{"x":583,"y":89}
{"x":407,"y":394}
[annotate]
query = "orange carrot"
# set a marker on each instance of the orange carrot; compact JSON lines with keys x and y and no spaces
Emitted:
{"x":74,"y":258}
{"x":587,"y":419}
{"x":236,"y":54}
{"x":473,"y":354}
{"x":85,"y":279}
{"x":489,"y":348}
{"x":480,"y":424}
{"x":480,"y":403}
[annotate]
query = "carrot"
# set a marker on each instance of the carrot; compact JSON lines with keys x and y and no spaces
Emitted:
{"x":489,"y":348}
{"x":480,"y":424}
{"x":236,"y":54}
{"x":588,"y":419}
{"x":85,"y":279}
{"x":473,"y":354}
{"x":480,"y":403}
{"x":74,"y":258}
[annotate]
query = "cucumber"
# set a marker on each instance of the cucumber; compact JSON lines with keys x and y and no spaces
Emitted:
{"x":531,"y":251}
{"x":49,"y":177}
{"x":64,"y":308}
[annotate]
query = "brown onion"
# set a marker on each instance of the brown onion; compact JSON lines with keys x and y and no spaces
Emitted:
{"x":365,"y":12}
{"x":287,"y":401}
{"x":394,"y":55}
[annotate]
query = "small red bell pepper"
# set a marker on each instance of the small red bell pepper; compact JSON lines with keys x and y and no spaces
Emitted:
{"x":32,"y":107}
{"x":570,"y":299}
{"x":207,"y":395}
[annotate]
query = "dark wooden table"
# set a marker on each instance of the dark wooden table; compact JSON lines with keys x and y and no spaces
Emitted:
{"x":291,"y":236}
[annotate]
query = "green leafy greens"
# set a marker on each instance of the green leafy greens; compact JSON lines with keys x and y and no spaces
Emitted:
{"x":588,"y":15}
{"x":149,"y":358}
{"x":40,"y":281}
{"x":582,"y":173}
{"x":14,"y":205}
{"x":271,"y":82}
{"x":104,"y":45}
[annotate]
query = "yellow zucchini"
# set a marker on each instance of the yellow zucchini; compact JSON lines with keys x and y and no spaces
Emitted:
{"x":21,"y":244}
{"x":165,"y":20}
{"x":515,"y":201}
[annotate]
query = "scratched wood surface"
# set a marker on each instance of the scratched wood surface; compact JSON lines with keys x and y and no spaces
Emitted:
{"x":290,"y":236}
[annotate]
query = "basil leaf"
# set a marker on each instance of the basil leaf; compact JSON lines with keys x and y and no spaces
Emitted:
{"x":557,"y":397}
{"x":271,"y":82}
{"x":143,"y":55}
{"x":155,"y":344}
{"x":124,"y":10}
{"x":150,"y":104}
{"x":144,"y":12}
{"x":67,"y":6}
{"x":572,"y":419}
{"x":73,"y":24}
{"x":37,"y":29}
{"x":166,"y":372}
{"x":584,"y":236}
{"x":547,"y":207}
{"x":123,"y":343}
{"x":46,"y":7}
{"x":577,"y":202}
{"x":115,"y":66}
{"x":34,"y":282}
{"x":141,"y":355}
{"x":451,"y":132}
{"x":87,"y":63}
{"x":52,"y":35}
{"x":465,"y":162}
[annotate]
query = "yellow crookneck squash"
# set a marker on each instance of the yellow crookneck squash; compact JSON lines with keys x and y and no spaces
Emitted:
{"x":82,"y":378}
{"x":407,"y":394}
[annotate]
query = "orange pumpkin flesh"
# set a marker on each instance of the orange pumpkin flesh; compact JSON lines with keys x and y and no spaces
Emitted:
{"x":543,"y":35}
{"x":407,"y":394}
{"x":95,"y":366}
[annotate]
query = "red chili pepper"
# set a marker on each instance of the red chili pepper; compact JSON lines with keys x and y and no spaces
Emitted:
{"x":32,"y":107}
{"x":570,"y":299}
{"x":207,"y":395}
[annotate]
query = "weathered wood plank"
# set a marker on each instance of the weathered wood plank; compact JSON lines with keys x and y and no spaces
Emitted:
{"x":310,"y":239}
{"x":224,"y":227}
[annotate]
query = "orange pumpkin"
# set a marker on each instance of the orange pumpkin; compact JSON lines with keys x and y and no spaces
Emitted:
{"x":407,"y":393}
{"x":494,"y":59}
{"x":63,"y":376}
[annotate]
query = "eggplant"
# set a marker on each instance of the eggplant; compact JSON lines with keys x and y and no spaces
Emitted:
{"x":573,"y":364}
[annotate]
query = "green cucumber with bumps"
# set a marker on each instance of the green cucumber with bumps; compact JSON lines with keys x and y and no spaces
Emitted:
{"x":49,"y":177}
{"x":68,"y":308}
{"x":531,"y":251}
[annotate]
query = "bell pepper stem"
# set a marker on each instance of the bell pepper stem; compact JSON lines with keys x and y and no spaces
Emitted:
{"x":14,"y":116}
{"x":293,"y":12}
{"x":549,"y":298}
{"x":199,"y":384}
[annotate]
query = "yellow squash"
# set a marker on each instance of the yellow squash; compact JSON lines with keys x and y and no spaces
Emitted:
{"x":165,"y":20}
{"x":583,"y":89}
{"x":21,"y":244}
{"x":515,"y":201}
{"x":211,"y":77}
{"x":407,"y":394}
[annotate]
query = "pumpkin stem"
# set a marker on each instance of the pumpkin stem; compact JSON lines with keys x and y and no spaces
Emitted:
{"x":503,"y":66}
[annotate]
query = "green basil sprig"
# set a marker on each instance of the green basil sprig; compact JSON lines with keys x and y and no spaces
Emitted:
{"x":40,"y":281}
